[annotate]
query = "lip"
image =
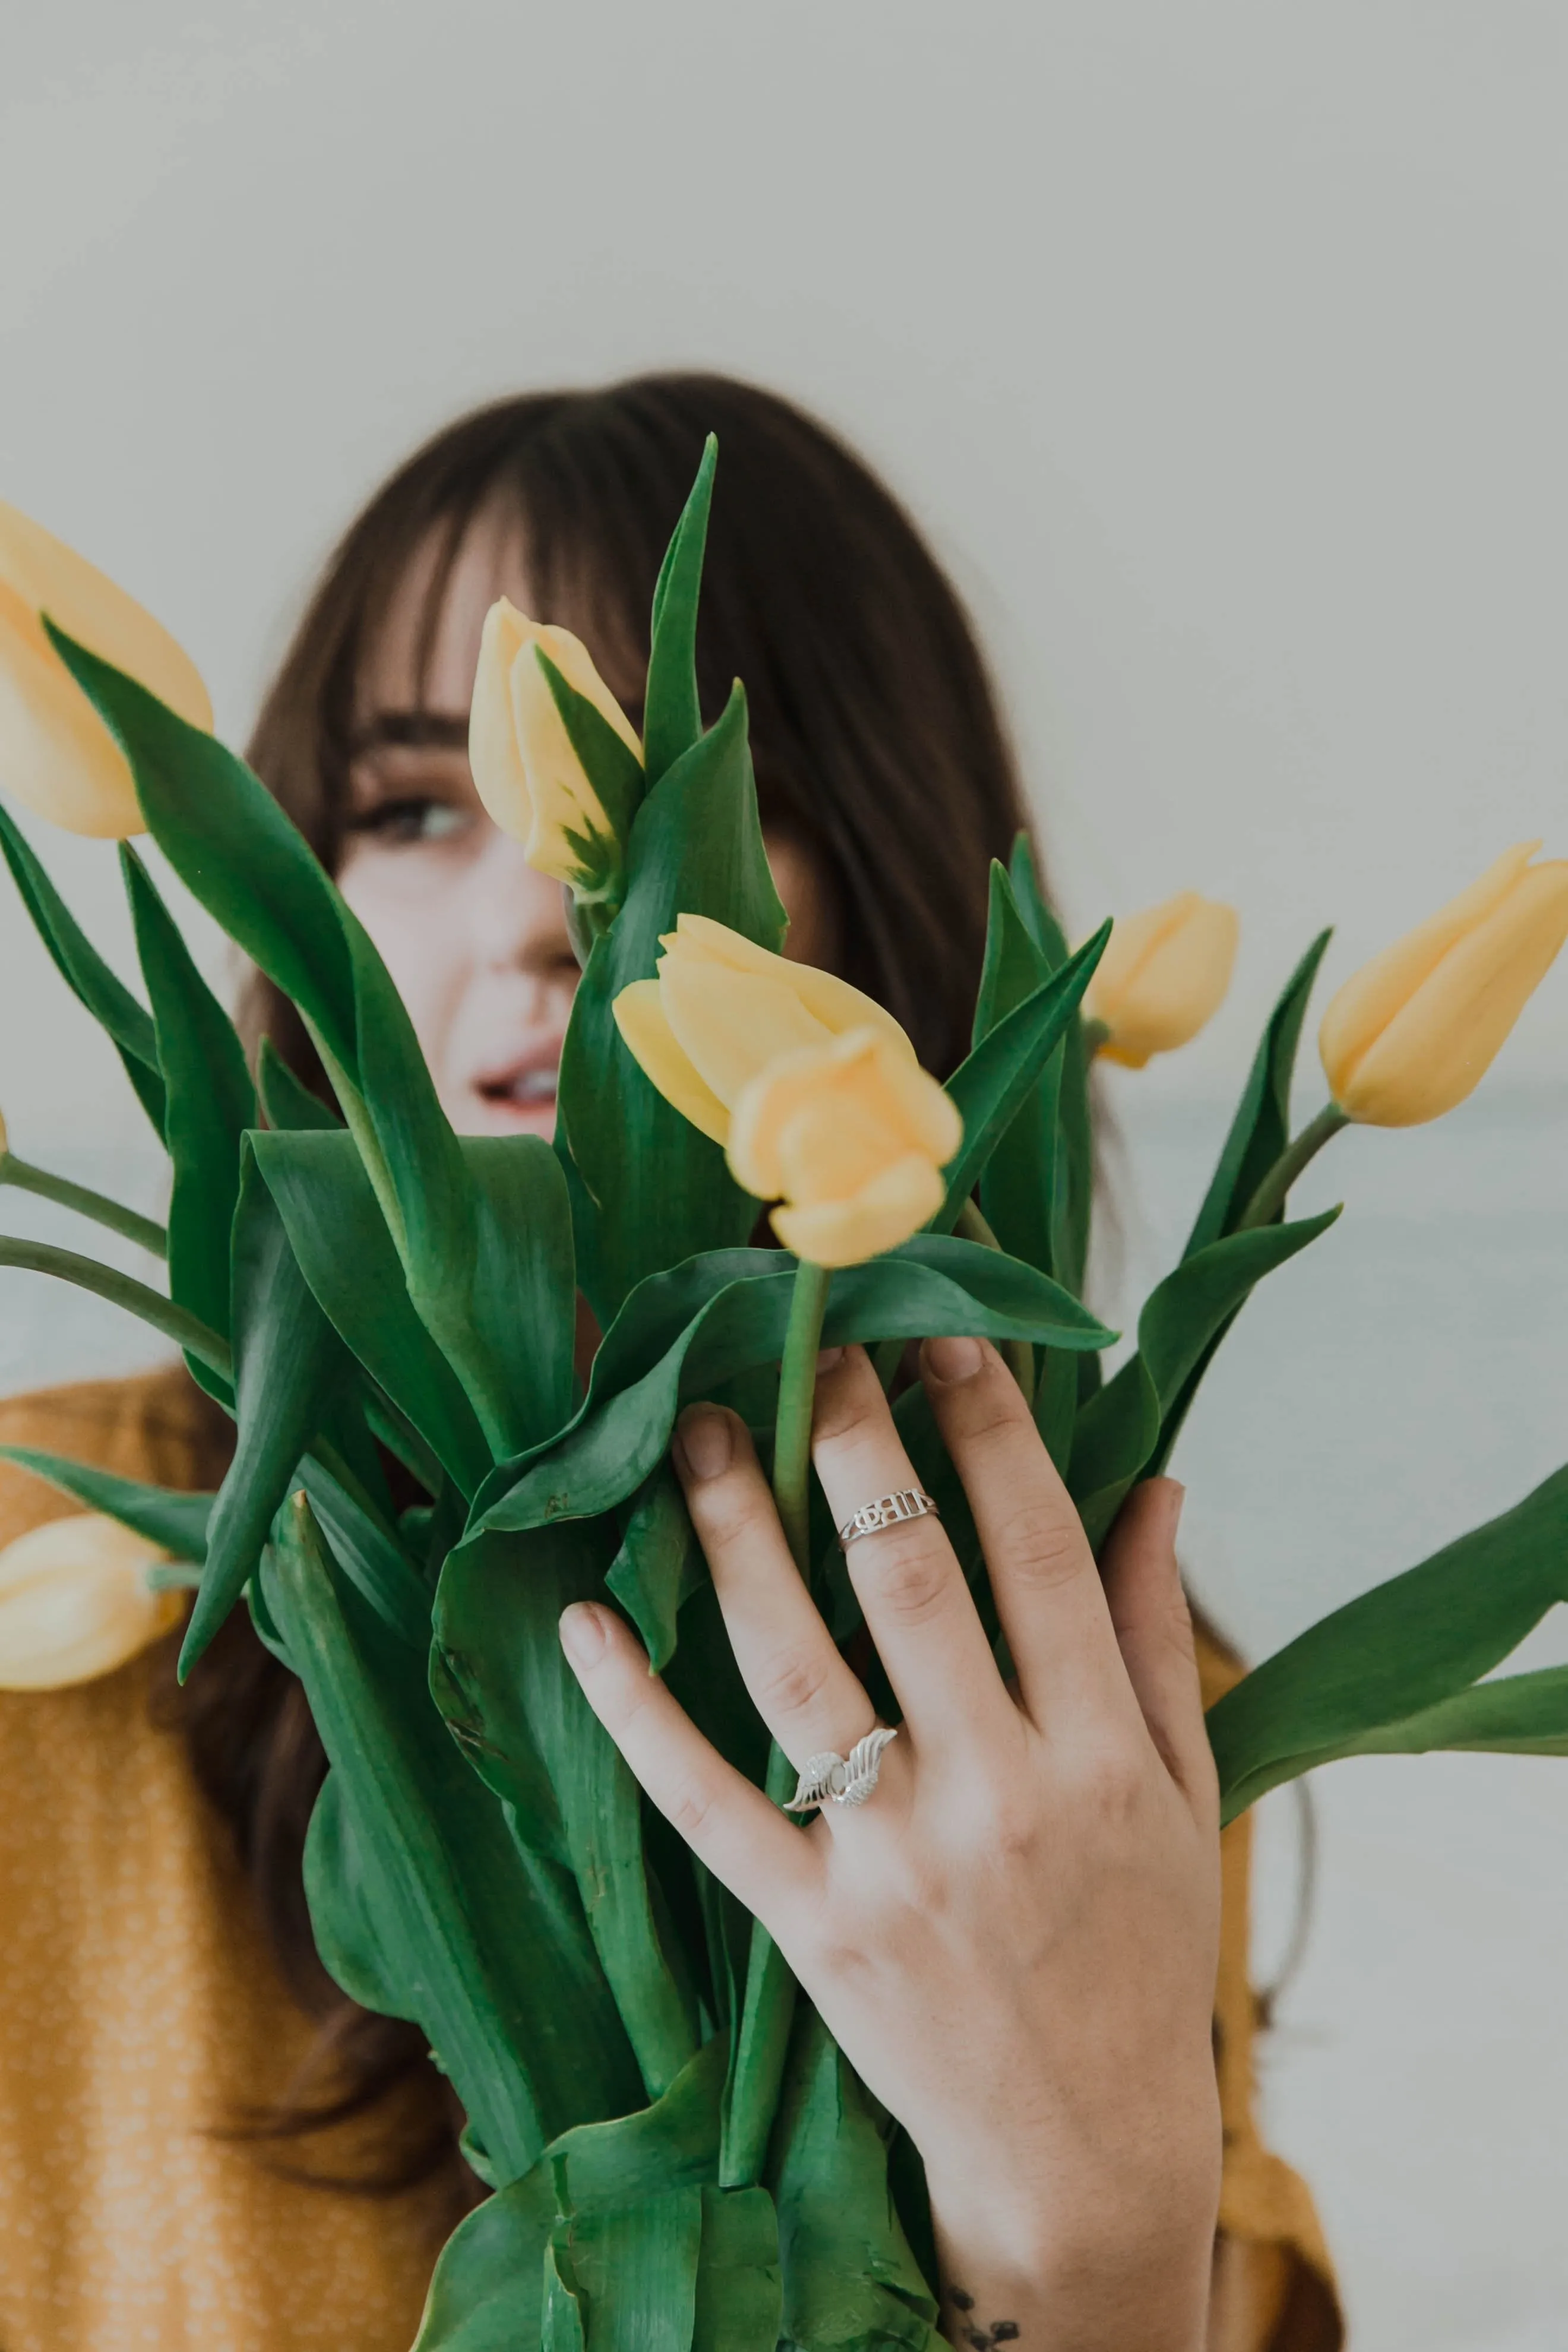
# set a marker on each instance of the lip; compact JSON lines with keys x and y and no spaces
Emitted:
{"x":523,"y":1087}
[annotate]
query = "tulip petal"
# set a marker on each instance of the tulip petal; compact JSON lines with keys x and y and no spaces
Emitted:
{"x":884,"y":1105}
{"x":831,"y":1000}
{"x":651,"y":1042}
{"x":1163,"y":975}
{"x":1442,"y":1040}
{"x":75,"y":1604}
{"x":1363,"y":1007}
{"x":569,"y":838}
{"x":500,"y":778}
{"x":50,"y":577}
{"x":732,"y":1023}
{"x":57,"y":756}
{"x":885,"y":1212}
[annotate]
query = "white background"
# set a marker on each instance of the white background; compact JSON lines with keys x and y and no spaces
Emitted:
{"x":1223,"y":352}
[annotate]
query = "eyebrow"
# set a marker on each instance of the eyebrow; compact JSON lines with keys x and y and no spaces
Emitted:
{"x":411,"y":729}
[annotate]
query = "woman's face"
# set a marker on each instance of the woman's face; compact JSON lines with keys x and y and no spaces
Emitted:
{"x":475,"y":938}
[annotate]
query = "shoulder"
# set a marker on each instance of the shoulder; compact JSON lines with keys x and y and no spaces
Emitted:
{"x":156,"y":1426}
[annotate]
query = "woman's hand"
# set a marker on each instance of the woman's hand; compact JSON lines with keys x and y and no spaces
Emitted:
{"x":1014,"y":1940}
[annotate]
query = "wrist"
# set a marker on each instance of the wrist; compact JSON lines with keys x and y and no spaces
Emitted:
{"x":1076,"y":2266}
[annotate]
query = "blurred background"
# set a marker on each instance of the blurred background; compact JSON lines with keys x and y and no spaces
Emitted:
{"x":1223,"y":352}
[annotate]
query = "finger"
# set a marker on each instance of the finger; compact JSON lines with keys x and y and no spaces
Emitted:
{"x":805,"y":1693}
{"x":1154,"y":1626}
{"x":731,"y":1826}
{"x":907,"y":1578}
{"x":1043,"y":1575}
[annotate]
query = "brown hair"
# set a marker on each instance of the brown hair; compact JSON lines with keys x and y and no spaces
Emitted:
{"x":877,"y":740}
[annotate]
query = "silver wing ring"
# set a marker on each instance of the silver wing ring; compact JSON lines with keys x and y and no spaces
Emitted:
{"x":830,"y":1779}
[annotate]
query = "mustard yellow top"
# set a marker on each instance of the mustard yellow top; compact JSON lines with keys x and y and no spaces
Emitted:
{"x":140,"y":2009}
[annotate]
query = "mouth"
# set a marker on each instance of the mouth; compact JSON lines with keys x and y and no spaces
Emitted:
{"x":525,"y":1089}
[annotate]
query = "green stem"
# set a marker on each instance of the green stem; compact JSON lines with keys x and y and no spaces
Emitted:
{"x":1017,"y":1354}
{"x":797,"y":1391}
{"x":122,"y":1290}
{"x":86,"y":1202}
{"x":1096,"y":1033}
{"x":1269,"y":1197}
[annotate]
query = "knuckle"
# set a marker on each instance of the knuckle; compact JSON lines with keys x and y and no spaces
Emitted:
{"x":912,"y":1580}
{"x":790,"y":1684}
{"x":1039,"y":1550}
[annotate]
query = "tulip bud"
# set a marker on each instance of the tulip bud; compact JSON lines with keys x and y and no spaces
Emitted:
{"x":852,"y":1136}
{"x":526,"y":770}
{"x":812,"y":1086}
{"x":75,"y":1602}
{"x":1163,"y":976}
{"x":55,"y":753}
{"x":1415,"y":1031}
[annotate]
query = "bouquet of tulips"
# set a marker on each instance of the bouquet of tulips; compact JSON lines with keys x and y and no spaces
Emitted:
{"x":679,"y":2154}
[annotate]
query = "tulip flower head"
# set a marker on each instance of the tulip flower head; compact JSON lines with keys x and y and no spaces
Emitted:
{"x":1163,"y":977}
{"x":526,"y":770}
{"x":74,"y":1602}
{"x":1415,"y":1030}
{"x":812,"y":1087}
{"x":55,"y":753}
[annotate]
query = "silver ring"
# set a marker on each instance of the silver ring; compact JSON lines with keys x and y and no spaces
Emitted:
{"x":887,"y":1511}
{"x":831,"y":1779}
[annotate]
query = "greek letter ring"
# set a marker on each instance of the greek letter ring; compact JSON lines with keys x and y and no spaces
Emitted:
{"x":889,"y":1511}
{"x":830,"y":1779}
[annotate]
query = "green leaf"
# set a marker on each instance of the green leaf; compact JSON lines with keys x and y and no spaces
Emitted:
{"x":1408,"y":1645}
{"x":990,"y":1087}
{"x":1261,"y":1127}
{"x":1075,"y":1173}
{"x":209,"y":1104}
{"x":485,"y":1947}
{"x":516,"y":1711}
{"x":85,"y":974}
{"x":485,"y":2295}
{"x":655,"y":1189}
{"x":850,"y":2281}
{"x":340,"y":1239}
{"x":1519,"y":1714}
{"x":740,"y":2285}
{"x":658,"y":1566}
{"x":673,"y":721}
{"x":932,"y":1285}
{"x":1018,"y":1190}
{"x":288,"y":1359}
{"x":286,"y":1099}
{"x":175,"y":1322}
{"x":164,"y":1515}
{"x":1120,"y":1431}
{"x":525,"y":1288}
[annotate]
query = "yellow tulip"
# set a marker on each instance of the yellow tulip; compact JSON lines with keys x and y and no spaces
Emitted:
{"x":1163,"y":976}
{"x":525,"y":771}
{"x":55,"y":753}
{"x":1412,"y":1033}
{"x":811,"y":1085}
{"x":721,"y":1009}
{"x":852,"y":1136}
{"x":75,"y":1602}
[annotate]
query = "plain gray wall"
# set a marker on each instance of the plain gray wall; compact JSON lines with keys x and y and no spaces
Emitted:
{"x":1222,"y":349}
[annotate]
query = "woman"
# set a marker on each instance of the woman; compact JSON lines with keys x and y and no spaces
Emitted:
{"x":1055,"y":1885}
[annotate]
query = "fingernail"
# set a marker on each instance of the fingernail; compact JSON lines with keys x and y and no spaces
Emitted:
{"x":705,"y":1441}
{"x":583,"y":1633}
{"x":953,"y":1360}
{"x":829,"y":1359}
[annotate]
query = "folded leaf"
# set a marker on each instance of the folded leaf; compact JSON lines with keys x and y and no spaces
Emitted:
{"x":1261,"y":1127}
